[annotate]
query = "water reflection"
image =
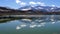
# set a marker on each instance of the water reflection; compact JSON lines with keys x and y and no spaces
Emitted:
{"x":37,"y":22}
{"x":42,"y":25}
{"x":32,"y":25}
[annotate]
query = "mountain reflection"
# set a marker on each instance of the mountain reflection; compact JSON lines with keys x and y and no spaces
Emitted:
{"x":4,"y":20}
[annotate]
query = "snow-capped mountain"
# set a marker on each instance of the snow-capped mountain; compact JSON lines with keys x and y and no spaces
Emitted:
{"x":40,"y":8}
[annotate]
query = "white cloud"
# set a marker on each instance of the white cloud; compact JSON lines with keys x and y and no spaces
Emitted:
{"x":41,"y":3}
{"x":18,"y":1}
{"x":37,"y":3}
{"x":22,"y":4}
{"x":53,"y":5}
{"x":32,"y":3}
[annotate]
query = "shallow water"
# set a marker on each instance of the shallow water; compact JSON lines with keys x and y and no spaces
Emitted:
{"x":49,"y":24}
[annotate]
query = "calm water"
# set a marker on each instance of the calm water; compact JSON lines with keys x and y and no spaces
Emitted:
{"x":49,"y":24}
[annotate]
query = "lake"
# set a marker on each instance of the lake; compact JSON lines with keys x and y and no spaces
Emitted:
{"x":47,"y":24}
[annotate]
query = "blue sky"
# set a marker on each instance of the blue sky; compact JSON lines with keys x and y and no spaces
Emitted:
{"x":19,"y":3}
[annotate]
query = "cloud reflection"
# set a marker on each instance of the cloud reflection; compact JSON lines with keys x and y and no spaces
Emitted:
{"x":17,"y":28}
{"x":26,"y":20}
{"x":36,"y":23}
{"x":53,"y":23}
{"x":23,"y":25}
{"x":32,"y":26}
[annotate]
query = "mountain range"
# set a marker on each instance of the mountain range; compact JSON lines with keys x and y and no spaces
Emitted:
{"x":30,"y":10}
{"x":41,"y":8}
